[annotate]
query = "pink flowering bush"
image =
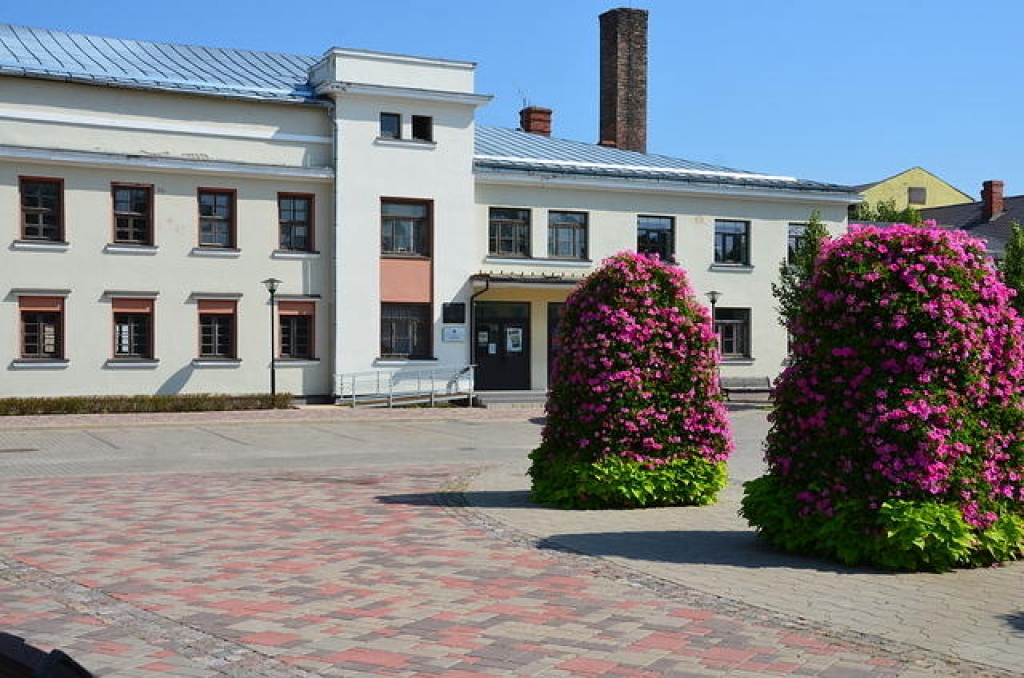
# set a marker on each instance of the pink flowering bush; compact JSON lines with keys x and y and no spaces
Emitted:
{"x":635,"y":414}
{"x":896,"y":437}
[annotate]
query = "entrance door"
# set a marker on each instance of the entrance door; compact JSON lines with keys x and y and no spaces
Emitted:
{"x":501,"y":332}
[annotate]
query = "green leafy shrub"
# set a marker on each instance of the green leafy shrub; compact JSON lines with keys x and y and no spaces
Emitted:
{"x":188,"y":402}
{"x":897,"y":437}
{"x":635,"y":414}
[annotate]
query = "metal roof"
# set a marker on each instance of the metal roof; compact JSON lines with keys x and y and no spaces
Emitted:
{"x":237,"y":73}
{"x":499,"y":148}
{"x":42,"y":53}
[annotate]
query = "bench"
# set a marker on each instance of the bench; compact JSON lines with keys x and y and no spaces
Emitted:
{"x":732,"y":385}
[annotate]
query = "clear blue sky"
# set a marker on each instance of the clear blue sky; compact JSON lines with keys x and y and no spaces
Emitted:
{"x":847,"y":92}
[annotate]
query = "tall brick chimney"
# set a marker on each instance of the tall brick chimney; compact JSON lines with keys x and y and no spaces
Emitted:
{"x":535,"y":120}
{"x":624,"y":79}
{"x":991,"y":199}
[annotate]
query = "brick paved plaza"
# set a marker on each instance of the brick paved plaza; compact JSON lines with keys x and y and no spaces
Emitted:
{"x":321,"y":542}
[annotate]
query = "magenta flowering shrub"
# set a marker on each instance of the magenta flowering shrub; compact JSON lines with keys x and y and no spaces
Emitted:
{"x":896,"y":437}
{"x":635,"y":414}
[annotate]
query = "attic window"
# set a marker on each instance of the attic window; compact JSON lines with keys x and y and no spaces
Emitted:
{"x":422,"y":128}
{"x":917,"y":195}
{"x":390,"y":126}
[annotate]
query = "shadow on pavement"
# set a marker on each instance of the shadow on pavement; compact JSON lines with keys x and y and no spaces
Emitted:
{"x":1015,"y":621}
{"x":494,"y":499}
{"x":696,"y":547}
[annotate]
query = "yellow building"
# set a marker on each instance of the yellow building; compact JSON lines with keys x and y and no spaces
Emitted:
{"x":915,"y":187}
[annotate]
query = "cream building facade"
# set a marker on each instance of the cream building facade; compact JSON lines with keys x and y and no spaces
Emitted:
{"x":148,"y":189}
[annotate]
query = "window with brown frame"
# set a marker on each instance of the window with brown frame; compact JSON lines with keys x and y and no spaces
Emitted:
{"x":42,"y":328}
{"x":509,"y":232}
{"x":567,"y":235}
{"x":405,"y":331}
{"x":295,"y":220}
{"x":297,"y":325}
{"x":133,"y":328}
{"x":405,"y":228}
{"x":42,"y":209}
{"x":216,"y":218}
{"x":133,"y":214}
{"x":217,"y":336}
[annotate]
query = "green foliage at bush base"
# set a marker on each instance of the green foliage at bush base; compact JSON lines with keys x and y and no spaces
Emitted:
{"x":898,"y":535}
{"x":191,"y":402}
{"x":615,"y":482}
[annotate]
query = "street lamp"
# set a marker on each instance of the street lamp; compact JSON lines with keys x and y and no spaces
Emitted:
{"x":272,"y":285}
{"x":713,"y":296}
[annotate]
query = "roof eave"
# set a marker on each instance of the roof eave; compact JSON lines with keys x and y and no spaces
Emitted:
{"x":691,"y":186}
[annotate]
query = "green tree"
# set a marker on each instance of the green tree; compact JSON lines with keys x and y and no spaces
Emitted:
{"x":794,"y":273}
{"x":885,"y":211}
{"x":1012,"y":265}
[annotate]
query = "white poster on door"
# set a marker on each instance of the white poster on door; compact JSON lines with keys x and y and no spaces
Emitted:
{"x":513,"y":339}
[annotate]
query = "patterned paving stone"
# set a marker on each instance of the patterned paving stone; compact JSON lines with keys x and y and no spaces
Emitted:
{"x":352,"y":572}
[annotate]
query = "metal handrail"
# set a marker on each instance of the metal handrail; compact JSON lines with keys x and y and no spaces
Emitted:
{"x":400,"y":386}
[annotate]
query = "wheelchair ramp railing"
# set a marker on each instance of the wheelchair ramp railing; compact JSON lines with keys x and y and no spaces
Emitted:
{"x":399,"y":387}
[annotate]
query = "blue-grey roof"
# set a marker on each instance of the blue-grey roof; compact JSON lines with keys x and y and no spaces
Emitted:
{"x":499,"y":148}
{"x":268,"y":76}
{"x":42,"y":53}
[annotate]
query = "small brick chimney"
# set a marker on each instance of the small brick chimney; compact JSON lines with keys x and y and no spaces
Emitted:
{"x":624,"y":79}
{"x":535,"y":120}
{"x":991,"y":199}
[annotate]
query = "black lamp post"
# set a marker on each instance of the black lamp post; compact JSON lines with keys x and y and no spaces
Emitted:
{"x":713,"y":296}
{"x":272,"y":285}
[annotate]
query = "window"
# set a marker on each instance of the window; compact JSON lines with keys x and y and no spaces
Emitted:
{"x":42,"y":209}
{"x":917,"y":195}
{"x":795,"y":241}
{"x":296,"y":318}
{"x":732,"y":242}
{"x":509,"y":234}
{"x":405,"y":228}
{"x":216,"y":218}
{"x":295,"y":218}
{"x":422,"y":128}
{"x":133,"y":214}
{"x":656,"y":235}
{"x":42,"y":327}
{"x":733,"y":328}
{"x":390,"y":126}
{"x":567,"y":235}
{"x":133,"y":328}
{"x":405,"y":331}
{"x":217,"y":328}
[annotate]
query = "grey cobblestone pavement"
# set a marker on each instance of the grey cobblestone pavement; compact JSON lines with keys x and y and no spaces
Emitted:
{"x":322,"y":542}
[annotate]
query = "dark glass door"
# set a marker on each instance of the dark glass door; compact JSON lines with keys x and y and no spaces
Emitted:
{"x":501,"y":336}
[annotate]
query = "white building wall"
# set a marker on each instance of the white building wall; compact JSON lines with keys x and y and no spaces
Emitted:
{"x":370,"y":168}
{"x":613,"y":228}
{"x":175,"y":269}
{"x":70,"y":116}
